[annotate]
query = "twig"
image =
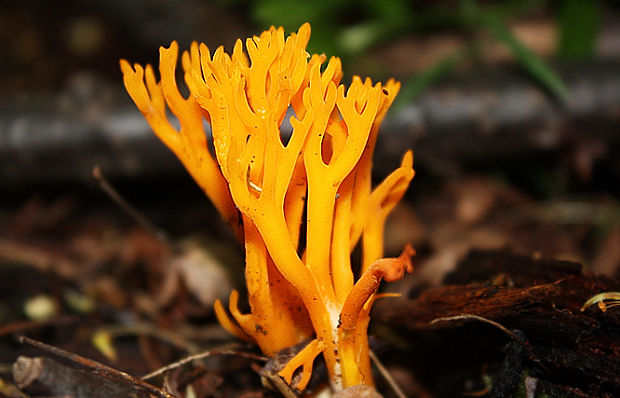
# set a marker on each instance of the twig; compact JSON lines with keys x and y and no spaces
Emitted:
{"x":89,"y":363}
{"x":481,"y":319}
{"x":29,"y":325}
{"x":40,"y":259}
{"x":116,"y":196}
{"x":387,"y":376}
{"x":5,"y":368}
{"x":279,"y":384}
{"x":145,"y":329}
{"x":44,"y":376}
{"x":201,"y":355}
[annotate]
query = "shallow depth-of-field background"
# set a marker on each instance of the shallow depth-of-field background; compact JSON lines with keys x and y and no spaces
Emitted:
{"x":512,"y":109}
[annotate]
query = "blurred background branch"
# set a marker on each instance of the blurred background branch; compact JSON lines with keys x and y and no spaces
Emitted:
{"x":481,"y":79}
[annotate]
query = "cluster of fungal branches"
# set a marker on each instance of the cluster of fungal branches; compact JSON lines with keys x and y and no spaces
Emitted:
{"x":301,"y":206}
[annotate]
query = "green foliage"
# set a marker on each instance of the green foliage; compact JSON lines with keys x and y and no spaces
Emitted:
{"x":532,"y":63}
{"x":343,"y":27}
{"x":348,"y":28}
{"x":578,"y":23}
{"x":418,"y":83}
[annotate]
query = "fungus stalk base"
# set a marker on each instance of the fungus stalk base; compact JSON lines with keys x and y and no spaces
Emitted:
{"x":346,"y":355}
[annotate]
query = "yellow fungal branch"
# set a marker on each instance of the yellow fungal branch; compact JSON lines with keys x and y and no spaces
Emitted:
{"x":600,"y":300}
{"x":189,"y":143}
{"x":298,"y":290}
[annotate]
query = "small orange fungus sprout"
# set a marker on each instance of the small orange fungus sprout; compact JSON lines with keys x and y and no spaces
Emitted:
{"x":301,"y":206}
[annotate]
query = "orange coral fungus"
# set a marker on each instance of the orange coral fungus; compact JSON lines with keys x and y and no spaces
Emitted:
{"x":298,"y":289}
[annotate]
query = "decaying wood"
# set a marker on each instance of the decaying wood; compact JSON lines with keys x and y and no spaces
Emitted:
{"x":44,"y":376}
{"x":101,"y":369}
{"x":539,"y":301}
